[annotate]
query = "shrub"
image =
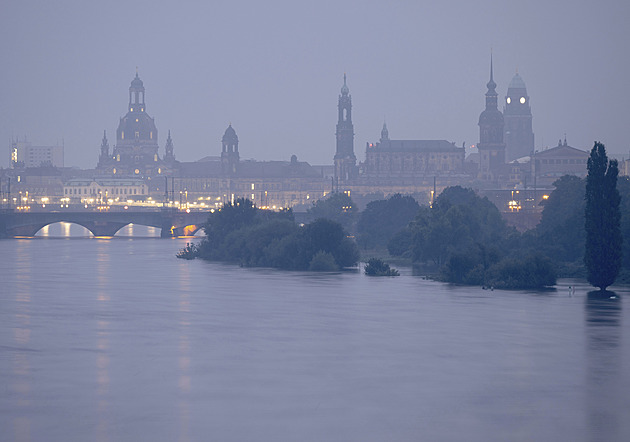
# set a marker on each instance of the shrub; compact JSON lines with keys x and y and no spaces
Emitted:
{"x":377,"y":267}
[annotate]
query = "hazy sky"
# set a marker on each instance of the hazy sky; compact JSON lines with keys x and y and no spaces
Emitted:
{"x":274,"y":69}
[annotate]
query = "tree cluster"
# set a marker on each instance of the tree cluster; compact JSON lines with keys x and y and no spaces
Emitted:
{"x":244,"y":234}
{"x":382,"y":219}
{"x":465,"y":240}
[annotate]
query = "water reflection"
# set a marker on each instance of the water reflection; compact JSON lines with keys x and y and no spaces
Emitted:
{"x":184,"y":382}
{"x":22,"y":338}
{"x":102,"y":341}
{"x":603,"y":320}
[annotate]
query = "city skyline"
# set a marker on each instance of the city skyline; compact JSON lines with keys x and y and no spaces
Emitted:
{"x":275,"y":73}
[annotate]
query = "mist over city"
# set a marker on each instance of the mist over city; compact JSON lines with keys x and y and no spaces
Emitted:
{"x":314,"y":221}
{"x":274,"y":70}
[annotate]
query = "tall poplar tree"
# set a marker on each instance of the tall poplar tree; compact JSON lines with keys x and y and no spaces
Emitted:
{"x":603,"y":233}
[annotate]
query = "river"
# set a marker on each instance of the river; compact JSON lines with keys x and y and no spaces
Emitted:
{"x":117,"y":340}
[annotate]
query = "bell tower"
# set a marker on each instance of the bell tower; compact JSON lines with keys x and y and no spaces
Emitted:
{"x":345,"y":160}
{"x":519,"y":136}
{"x":491,"y":146}
{"x":229,"y":153}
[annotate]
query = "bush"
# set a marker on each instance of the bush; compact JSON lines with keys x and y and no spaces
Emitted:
{"x":377,"y":267}
{"x":534,"y":271}
{"x":188,"y":252}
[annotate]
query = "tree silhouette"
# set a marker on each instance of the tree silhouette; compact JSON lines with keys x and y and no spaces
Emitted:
{"x":602,"y":219}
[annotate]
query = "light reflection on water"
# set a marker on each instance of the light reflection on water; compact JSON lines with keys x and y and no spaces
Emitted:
{"x":116,"y":339}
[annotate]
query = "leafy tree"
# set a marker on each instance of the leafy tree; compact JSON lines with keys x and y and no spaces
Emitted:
{"x":603,"y":233}
{"x":338,"y":207}
{"x":323,"y":262}
{"x":560,"y":233}
{"x":381,"y":219}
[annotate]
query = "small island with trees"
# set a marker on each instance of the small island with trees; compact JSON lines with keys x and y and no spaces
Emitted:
{"x":461,"y":238}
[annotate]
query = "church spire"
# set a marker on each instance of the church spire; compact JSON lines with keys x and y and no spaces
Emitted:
{"x":384,"y":132}
{"x":104,"y":146}
{"x":169,"y":148}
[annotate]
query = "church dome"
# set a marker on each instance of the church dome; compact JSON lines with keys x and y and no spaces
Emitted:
{"x":137,"y":128}
{"x":491,"y":117}
{"x":230,"y":135}
{"x":517,"y":82}
{"x":136,"y":83}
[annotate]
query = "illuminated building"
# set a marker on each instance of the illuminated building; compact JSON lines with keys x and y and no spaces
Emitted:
{"x":24,"y":154}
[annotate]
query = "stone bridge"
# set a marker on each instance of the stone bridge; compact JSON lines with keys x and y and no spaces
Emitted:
{"x":103,"y":223}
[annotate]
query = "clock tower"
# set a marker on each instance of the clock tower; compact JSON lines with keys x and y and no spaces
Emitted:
{"x":518,"y":134}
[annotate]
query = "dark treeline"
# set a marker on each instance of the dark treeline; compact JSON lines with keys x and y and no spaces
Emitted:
{"x":462,"y":238}
{"x":244,"y":234}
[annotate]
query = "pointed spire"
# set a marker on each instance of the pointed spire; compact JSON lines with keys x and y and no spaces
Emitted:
{"x":344,"y":88}
{"x":104,"y":146}
{"x":384,"y":132}
{"x":169,"y":147}
{"x":491,"y":84}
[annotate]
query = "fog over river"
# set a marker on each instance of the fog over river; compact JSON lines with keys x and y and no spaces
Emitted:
{"x":117,"y":340}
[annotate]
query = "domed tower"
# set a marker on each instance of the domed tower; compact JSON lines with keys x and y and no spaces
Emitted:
{"x":345,"y":160}
{"x":136,"y":150}
{"x":491,"y":146}
{"x":229,"y":152}
{"x":519,"y":136}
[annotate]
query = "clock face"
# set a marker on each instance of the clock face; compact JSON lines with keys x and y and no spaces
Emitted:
{"x":522,"y":100}
{"x":509,"y":100}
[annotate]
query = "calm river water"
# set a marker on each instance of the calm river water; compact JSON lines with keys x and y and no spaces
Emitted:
{"x":117,"y":340}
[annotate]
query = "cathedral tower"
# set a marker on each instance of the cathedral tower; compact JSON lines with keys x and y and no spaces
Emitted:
{"x":491,"y":146}
{"x":229,"y":152}
{"x":345,"y":160}
{"x":519,"y":137}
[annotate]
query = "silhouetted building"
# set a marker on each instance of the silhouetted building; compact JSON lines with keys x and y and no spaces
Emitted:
{"x":216,"y":180}
{"x":550,"y":164}
{"x":491,"y":146}
{"x":345,"y":160}
{"x":136,"y":149}
{"x":517,"y":115}
{"x":229,"y":153}
{"x":409,"y":161}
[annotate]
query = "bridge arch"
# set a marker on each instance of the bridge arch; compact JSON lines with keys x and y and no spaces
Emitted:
{"x":94,"y":228}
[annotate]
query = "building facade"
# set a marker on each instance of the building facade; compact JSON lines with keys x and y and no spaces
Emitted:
{"x":105,"y":189}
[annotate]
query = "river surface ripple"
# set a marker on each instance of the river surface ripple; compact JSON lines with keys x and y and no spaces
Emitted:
{"x":117,"y":340}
